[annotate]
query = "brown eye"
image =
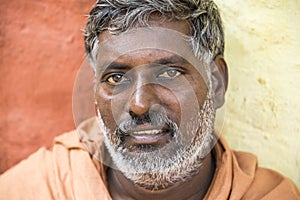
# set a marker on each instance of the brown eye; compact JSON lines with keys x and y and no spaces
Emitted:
{"x":171,"y":73}
{"x":115,"y":79}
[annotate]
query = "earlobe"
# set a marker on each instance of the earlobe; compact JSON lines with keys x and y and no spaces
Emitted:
{"x":219,"y":72}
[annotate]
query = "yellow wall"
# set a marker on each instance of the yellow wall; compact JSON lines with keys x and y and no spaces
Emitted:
{"x":263,"y":100}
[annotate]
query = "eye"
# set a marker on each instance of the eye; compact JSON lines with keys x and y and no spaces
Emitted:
{"x":115,"y":79}
{"x":170,"y":73}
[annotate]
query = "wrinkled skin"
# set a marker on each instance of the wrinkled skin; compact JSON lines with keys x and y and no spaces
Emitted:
{"x":153,"y":81}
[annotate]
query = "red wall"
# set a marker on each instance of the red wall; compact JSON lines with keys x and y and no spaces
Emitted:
{"x":41,"y":49}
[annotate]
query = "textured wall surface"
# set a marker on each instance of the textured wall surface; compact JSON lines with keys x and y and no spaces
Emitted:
{"x":263,"y":53}
{"x":41,"y":49}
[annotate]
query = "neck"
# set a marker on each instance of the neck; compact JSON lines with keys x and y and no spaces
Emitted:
{"x":195,"y":188}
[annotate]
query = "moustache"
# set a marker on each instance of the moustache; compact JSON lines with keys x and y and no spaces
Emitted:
{"x":153,"y":119}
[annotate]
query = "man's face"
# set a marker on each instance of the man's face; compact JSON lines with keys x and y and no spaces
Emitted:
{"x":155,"y":112}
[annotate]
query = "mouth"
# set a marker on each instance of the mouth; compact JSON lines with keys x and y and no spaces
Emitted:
{"x":145,"y":138}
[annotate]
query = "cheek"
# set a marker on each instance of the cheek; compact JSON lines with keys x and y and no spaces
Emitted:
{"x":200,"y":89}
{"x":191,"y":95}
{"x":105,"y":112}
{"x":188,"y":105}
{"x":171,"y":102}
{"x":110,"y":108}
{"x":181,"y":103}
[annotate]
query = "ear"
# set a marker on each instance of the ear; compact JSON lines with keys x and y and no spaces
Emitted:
{"x":219,"y":72}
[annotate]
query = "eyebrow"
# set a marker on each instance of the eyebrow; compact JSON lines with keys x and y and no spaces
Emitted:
{"x":171,"y":60}
{"x":163,"y":61}
{"x":117,"y":65}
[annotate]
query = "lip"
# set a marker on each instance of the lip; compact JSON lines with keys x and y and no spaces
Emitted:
{"x":146,"y":138}
{"x":147,"y":129}
{"x":150,"y":139}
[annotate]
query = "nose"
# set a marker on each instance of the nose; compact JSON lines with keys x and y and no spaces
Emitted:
{"x":143,"y":100}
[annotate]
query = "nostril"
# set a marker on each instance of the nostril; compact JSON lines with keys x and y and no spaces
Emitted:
{"x":132,"y":114}
{"x":140,"y":119}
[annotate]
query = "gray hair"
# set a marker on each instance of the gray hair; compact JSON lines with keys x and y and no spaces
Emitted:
{"x":118,"y":16}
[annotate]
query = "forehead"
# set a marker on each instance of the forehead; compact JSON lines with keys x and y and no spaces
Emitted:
{"x":149,"y":56}
{"x":161,"y":39}
{"x":181,"y":26}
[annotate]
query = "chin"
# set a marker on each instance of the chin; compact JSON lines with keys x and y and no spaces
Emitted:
{"x":177,"y":160}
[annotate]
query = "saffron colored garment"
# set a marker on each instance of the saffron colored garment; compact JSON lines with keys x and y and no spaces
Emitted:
{"x":69,"y":172}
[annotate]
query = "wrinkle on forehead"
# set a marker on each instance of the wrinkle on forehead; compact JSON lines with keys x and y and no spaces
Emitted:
{"x":148,"y":57}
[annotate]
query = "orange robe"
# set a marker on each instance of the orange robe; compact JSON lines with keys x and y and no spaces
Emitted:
{"x":68,"y":172}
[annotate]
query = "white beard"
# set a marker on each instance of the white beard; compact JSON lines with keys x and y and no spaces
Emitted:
{"x":158,"y":169}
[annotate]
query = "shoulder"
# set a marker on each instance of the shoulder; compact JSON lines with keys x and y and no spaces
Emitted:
{"x":269,"y":184}
{"x":36,"y":175}
{"x":34,"y":172}
{"x":263,"y":183}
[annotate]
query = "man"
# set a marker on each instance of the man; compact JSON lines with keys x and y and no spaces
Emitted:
{"x":160,"y":76}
